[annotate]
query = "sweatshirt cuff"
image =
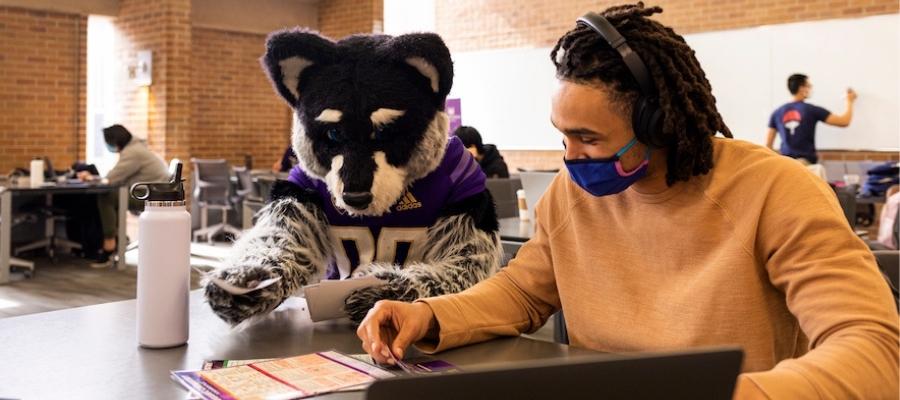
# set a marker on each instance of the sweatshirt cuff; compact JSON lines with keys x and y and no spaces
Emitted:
{"x":453,"y":328}
{"x":779,"y":383}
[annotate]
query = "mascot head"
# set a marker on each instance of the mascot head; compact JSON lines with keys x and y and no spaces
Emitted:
{"x":368,"y":110}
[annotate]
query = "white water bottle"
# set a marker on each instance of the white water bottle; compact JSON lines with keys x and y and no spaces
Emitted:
{"x":37,"y":172}
{"x":164,"y":257}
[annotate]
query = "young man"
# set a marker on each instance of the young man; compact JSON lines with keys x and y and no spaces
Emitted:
{"x":659,"y":235}
{"x":488,"y":157}
{"x":795,"y":122}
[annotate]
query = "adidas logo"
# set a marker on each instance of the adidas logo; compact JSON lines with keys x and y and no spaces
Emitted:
{"x":408,"y":202}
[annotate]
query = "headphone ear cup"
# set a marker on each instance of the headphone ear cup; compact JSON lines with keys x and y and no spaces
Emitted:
{"x":646,"y":121}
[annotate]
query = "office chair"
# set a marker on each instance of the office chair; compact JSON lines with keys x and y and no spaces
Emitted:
{"x":212,"y":190}
{"x":27,"y":266}
{"x":889,"y":264}
{"x":51,"y":215}
{"x":247,"y":188}
{"x":248,"y":196}
{"x":847,"y":199}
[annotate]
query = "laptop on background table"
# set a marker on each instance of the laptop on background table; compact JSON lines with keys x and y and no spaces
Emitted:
{"x":535,"y":184}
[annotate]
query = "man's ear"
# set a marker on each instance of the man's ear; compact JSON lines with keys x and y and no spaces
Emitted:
{"x":289,"y":53}
{"x":428,"y":54}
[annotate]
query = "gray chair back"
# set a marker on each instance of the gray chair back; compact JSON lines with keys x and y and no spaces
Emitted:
{"x":247,"y":188}
{"x":503,"y":190}
{"x":265,"y":187}
{"x":848,"y":204}
{"x":212,"y":182}
{"x":889,"y":264}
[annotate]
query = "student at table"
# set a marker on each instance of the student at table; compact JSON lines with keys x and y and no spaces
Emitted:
{"x":662,"y":235}
{"x":136,"y":164}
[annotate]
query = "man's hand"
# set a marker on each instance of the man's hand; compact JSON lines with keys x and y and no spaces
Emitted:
{"x":851,"y":95}
{"x":84,"y":176}
{"x":391,"y":326}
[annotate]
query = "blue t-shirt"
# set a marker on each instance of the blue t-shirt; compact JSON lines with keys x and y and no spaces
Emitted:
{"x":390,"y":238}
{"x":796,"y":125}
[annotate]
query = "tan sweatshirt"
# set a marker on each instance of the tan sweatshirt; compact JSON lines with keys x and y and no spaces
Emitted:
{"x":756,"y":253}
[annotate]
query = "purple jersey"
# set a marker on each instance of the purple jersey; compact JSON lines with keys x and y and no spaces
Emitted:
{"x":392,"y":237}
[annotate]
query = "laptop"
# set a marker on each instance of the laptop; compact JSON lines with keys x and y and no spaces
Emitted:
{"x":696,"y":374}
{"x":49,"y":172}
{"x":535,"y":184}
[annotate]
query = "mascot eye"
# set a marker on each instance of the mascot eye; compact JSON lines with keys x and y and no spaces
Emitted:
{"x":379,"y":133}
{"x":333,"y":135}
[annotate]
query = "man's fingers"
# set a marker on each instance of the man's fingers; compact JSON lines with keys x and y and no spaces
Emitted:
{"x":404,"y":338}
{"x":373,"y":328}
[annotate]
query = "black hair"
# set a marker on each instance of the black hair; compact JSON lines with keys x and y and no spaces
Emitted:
{"x":685,"y":96}
{"x":795,"y":82}
{"x":470,"y":137}
{"x":117,"y":136}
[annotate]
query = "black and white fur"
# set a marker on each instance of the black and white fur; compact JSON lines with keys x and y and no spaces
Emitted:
{"x":369,"y":121}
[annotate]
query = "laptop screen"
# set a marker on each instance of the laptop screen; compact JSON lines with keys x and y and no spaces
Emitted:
{"x":694,"y":374}
{"x":535,"y":184}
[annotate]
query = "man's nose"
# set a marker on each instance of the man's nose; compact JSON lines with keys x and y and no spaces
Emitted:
{"x":573,"y":150}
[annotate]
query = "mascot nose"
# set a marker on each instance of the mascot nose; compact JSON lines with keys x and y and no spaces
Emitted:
{"x":357,"y":200}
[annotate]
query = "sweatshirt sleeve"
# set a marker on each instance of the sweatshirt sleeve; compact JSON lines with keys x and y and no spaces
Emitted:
{"x":518,"y":299}
{"x":129,"y":164}
{"x":833,"y":287}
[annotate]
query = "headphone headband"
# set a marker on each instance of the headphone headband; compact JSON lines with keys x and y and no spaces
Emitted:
{"x":632,"y":60}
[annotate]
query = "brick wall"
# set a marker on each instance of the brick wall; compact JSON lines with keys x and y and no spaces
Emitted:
{"x":162,"y":112}
{"x":339,"y":18}
{"x":42,"y":64}
{"x":235,"y":110}
{"x":484,"y":24}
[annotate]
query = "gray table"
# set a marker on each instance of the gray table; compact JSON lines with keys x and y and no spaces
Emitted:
{"x":516,"y":230}
{"x":8,"y":190}
{"x":92,"y":353}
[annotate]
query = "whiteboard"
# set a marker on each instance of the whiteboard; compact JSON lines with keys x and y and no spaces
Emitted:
{"x":506,"y":93}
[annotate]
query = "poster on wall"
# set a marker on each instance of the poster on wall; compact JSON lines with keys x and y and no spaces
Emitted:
{"x":454,"y":111}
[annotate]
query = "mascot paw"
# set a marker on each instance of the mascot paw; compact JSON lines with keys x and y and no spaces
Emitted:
{"x":236,"y":308}
{"x":358,"y":303}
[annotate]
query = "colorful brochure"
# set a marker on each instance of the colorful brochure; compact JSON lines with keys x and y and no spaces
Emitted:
{"x":287,"y":378}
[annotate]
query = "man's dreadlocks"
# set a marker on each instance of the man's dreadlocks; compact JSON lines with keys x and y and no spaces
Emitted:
{"x":685,"y":96}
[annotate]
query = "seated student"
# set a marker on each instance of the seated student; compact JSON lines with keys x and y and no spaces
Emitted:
{"x":488,"y":157}
{"x":667,"y":237}
{"x":136,"y":164}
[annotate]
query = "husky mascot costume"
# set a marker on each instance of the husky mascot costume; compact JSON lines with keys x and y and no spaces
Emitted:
{"x":380,"y":188}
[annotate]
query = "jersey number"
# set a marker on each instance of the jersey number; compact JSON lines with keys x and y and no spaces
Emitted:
{"x":368,"y":251}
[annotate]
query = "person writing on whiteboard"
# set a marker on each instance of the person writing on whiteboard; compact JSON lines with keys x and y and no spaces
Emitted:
{"x":795,"y":122}
{"x":660,"y":235}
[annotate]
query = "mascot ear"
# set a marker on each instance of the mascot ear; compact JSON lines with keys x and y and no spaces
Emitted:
{"x":428,"y":54}
{"x":289,"y":53}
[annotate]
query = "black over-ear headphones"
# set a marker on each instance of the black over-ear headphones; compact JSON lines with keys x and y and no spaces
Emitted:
{"x":646,"y":116}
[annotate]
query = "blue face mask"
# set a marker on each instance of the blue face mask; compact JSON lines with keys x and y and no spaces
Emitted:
{"x":111,"y":148}
{"x":605,"y":176}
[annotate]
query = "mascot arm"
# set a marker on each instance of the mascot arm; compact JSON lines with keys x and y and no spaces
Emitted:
{"x":289,"y":240}
{"x":461,"y":249}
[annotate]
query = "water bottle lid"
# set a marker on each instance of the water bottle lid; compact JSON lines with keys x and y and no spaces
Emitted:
{"x":173,"y":190}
